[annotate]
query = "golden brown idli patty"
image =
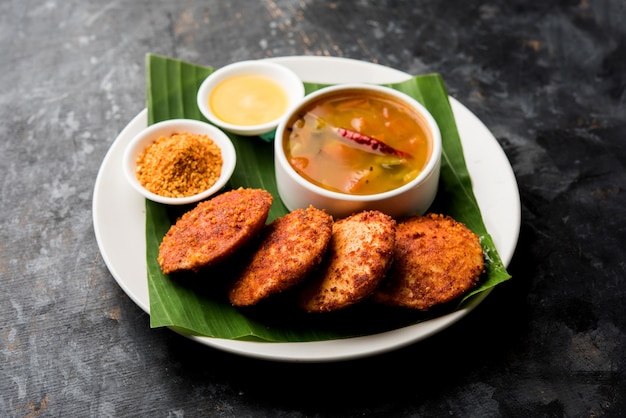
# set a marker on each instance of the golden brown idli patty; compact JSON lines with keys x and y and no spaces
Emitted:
{"x":436,"y":260}
{"x":358,"y":256}
{"x":291,"y":247}
{"x":214,"y":230}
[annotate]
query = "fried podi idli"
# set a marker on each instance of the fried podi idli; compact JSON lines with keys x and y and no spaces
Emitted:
{"x":358,"y":256}
{"x":436,"y":260}
{"x":214,"y":229}
{"x":291,"y":247}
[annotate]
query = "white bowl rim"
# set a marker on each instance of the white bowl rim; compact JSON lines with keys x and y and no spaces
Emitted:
{"x":288,"y":79}
{"x":229,"y":157}
{"x":431,"y":165}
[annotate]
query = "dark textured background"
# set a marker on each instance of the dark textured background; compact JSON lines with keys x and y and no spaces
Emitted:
{"x":547,"y":77}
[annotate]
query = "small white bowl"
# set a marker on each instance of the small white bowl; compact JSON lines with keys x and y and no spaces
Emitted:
{"x":284,"y":77}
{"x":166,"y":128}
{"x":414,"y":197}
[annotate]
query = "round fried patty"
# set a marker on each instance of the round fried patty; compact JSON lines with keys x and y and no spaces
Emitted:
{"x":214,"y":229}
{"x":436,"y":259}
{"x":358,"y":256}
{"x":291,"y":247}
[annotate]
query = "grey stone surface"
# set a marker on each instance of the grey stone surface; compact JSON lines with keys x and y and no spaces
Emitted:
{"x":548,"y":78}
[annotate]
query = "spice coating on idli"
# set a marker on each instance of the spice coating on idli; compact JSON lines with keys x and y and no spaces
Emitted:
{"x":214,"y":230}
{"x":291,"y":247}
{"x":358,"y":256}
{"x":436,"y":260}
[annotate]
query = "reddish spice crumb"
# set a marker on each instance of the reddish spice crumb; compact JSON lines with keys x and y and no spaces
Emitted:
{"x":180,"y":165}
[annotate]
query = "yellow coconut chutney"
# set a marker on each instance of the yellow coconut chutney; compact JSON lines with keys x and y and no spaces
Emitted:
{"x":248,"y":99}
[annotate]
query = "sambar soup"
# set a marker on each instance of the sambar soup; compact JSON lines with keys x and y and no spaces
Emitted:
{"x":358,"y":143}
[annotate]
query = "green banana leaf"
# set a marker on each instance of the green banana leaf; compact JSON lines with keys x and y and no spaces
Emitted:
{"x":196,"y":303}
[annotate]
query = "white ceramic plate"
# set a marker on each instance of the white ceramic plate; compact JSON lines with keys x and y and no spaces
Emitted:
{"x":119,"y":218}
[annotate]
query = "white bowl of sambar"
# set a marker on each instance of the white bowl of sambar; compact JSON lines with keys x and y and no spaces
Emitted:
{"x":353,"y":147}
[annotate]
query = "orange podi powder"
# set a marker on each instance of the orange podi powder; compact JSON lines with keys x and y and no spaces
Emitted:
{"x":180,"y":165}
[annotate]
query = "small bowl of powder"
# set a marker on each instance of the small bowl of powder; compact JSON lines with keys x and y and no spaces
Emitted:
{"x":179,"y":161}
